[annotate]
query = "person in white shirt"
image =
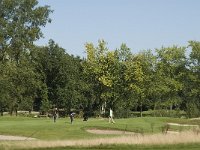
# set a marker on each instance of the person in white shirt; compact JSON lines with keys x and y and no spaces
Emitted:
{"x":111,"y":120}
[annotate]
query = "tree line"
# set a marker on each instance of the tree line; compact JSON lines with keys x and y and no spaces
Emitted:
{"x":39,"y":78}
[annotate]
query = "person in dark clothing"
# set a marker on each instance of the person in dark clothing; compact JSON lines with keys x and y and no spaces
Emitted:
{"x":55,"y":111}
{"x":71,"y":117}
{"x":85,"y":116}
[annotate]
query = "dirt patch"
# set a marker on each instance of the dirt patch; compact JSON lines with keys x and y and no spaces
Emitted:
{"x":100,"y":131}
{"x":14,"y":138}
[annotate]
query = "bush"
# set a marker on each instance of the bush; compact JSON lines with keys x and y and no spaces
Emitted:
{"x":122,"y":113}
{"x":192,"y":110}
{"x":159,"y":113}
{"x":27,"y":114}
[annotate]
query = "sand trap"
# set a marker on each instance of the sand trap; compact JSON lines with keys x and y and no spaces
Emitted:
{"x":173,"y":132}
{"x":14,"y":138}
{"x":195,"y":119}
{"x":183,"y":125}
{"x":117,"y":132}
{"x":99,"y":131}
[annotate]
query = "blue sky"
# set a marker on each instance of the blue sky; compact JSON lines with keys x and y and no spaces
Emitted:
{"x":141,"y":24}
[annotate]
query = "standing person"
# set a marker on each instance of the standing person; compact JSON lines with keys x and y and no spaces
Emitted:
{"x":111,"y":117}
{"x":71,"y":117}
{"x":55,"y":111}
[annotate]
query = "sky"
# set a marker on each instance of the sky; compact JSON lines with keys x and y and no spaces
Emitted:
{"x":141,"y":24}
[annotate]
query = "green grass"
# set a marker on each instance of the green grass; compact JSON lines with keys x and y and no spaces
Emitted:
{"x":46,"y":129}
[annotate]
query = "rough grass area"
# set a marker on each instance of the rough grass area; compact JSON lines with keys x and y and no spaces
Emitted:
{"x":154,"y":139}
{"x":63,"y":134}
{"x":194,"y":146}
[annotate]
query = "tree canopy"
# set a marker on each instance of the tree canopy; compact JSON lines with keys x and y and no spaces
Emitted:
{"x":39,"y":78}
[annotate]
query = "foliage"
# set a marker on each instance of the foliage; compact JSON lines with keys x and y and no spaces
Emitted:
{"x":41,"y":78}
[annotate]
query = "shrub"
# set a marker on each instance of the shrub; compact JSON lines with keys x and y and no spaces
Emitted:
{"x":192,"y":110}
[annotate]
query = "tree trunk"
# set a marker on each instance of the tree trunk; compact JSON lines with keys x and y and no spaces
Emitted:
{"x":170,"y":111}
{"x":171,"y":107}
{"x":16,"y":112}
{"x":154,"y":110}
{"x":141,"y":109}
{"x":11,"y":112}
{"x":1,"y":112}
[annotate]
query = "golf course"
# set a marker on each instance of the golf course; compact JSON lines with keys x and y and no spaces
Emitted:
{"x":107,"y":75}
{"x":97,"y":133}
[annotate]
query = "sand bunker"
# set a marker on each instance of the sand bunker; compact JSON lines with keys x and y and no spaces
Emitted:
{"x":14,"y":138}
{"x":118,"y":132}
{"x":183,"y":125}
{"x":99,"y":131}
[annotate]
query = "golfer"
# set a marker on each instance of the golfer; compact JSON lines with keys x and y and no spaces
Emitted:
{"x":71,"y":117}
{"x":111,"y":117}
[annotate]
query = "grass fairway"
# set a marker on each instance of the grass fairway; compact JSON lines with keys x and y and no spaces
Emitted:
{"x":48,"y":132}
{"x":46,"y":129}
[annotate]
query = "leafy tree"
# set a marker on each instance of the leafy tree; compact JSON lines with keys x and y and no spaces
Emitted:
{"x":102,"y":65}
{"x":170,"y":66}
{"x":192,"y":81}
{"x":49,"y":62}
{"x":92,"y":68}
{"x":61,"y":75}
{"x":4,"y":87}
{"x":20,"y":24}
{"x":138,"y":75}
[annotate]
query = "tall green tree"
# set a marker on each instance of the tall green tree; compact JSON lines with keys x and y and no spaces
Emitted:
{"x":192,"y":81}
{"x":61,"y":75}
{"x":137,"y":76}
{"x":101,"y":64}
{"x":170,"y":66}
{"x":20,"y":26}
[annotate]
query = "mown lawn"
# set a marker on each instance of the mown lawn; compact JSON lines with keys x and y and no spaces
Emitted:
{"x":46,"y":129}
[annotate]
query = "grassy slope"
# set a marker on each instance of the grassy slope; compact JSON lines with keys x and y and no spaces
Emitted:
{"x":48,"y":130}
